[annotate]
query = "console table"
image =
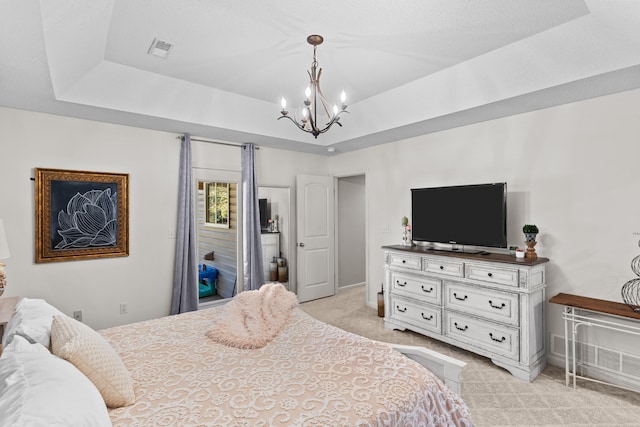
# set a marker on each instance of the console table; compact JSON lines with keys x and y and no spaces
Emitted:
{"x":490,"y":304}
{"x":579,"y":311}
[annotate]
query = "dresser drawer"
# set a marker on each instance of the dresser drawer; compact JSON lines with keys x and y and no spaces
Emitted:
{"x":482,"y":334}
{"x":449,"y":268}
{"x":492,"y":274}
{"x":424,"y":288}
{"x":405,"y":261}
{"x":488,"y":303}
{"x":421,"y":315}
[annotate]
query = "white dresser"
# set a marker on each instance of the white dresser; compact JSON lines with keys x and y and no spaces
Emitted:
{"x":270,"y":249}
{"x":492,"y":305}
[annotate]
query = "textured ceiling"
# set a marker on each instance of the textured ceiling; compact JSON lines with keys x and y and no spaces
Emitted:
{"x":409,"y":67}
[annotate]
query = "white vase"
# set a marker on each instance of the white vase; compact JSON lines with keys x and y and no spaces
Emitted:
{"x":406,"y":238}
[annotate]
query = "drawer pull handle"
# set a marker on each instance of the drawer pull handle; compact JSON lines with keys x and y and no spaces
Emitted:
{"x":404,"y":261}
{"x":427,"y":290}
{"x":401,"y":310}
{"x":458,"y":298}
{"x":441,"y":267}
{"x":495,"y":339}
{"x":401,"y":284}
{"x":490,"y":274}
{"x":426,"y":318}
{"x":459,"y":328}
{"x":499,"y":307}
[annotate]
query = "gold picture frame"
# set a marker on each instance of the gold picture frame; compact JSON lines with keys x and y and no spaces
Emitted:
{"x":81,"y":215}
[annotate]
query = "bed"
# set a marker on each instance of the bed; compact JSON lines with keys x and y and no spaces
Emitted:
{"x":309,"y":374}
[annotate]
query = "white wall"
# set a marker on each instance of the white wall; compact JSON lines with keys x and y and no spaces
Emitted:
{"x":351,"y":239}
{"x":573,"y":170}
{"x":96,"y":287}
{"x":151,"y":158}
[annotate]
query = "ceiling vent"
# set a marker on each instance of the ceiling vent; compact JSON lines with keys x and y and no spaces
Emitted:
{"x":160,"y":48}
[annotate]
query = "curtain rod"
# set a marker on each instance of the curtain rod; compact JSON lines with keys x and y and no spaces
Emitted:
{"x":229,"y":144}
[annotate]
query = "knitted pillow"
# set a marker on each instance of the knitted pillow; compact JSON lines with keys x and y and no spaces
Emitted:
{"x":94,"y":357}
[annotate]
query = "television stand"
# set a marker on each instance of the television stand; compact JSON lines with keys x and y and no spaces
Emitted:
{"x":491,"y":305}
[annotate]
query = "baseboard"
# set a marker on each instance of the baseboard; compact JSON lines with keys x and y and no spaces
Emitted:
{"x":355,"y":285}
{"x":600,"y":363}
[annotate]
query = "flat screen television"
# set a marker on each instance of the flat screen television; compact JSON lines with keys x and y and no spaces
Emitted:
{"x":264,"y":214}
{"x":474,"y":215}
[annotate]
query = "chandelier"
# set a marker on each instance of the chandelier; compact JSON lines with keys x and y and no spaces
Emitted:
{"x":306,"y":117}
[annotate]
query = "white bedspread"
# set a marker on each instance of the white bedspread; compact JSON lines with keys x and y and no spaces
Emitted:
{"x":311,"y":374}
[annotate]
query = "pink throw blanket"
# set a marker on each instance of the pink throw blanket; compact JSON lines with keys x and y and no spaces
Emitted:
{"x":254,"y":318}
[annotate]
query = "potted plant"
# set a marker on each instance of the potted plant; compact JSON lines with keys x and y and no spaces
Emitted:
{"x":530,"y":232}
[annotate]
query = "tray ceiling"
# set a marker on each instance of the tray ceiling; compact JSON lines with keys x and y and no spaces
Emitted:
{"x":408,"y":67}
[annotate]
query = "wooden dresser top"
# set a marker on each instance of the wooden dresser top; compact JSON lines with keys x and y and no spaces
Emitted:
{"x":491,"y":257}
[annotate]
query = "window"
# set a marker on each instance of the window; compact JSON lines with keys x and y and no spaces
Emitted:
{"x":217,"y":204}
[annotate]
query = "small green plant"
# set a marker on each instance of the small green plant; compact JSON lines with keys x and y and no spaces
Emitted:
{"x":530,"y":229}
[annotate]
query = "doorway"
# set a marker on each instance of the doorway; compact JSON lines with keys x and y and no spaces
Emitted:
{"x":351,"y":231}
{"x":217,"y":234}
{"x":331,"y":231}
{"x":275,"y":222}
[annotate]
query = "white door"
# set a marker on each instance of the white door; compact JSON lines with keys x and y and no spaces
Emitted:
{"x":315,"y":237}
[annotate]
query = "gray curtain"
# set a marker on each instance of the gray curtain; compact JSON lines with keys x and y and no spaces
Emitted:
{"x":251,"y":239}
{"x":185,"y":276}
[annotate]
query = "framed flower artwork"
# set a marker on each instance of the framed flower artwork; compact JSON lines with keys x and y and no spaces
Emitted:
{"x":81,"y":215}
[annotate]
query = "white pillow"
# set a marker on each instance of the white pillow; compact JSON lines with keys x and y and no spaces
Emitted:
{"x":40,"y":389}
{"x":32,"y":320}
{"x":20,"y":344}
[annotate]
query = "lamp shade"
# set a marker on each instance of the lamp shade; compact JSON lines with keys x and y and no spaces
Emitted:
{"x":4,"y":246}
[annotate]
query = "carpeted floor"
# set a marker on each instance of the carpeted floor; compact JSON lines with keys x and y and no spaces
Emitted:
{"x":494,"y":396}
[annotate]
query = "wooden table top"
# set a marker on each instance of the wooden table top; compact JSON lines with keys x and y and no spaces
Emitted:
{"x":594,"y":304}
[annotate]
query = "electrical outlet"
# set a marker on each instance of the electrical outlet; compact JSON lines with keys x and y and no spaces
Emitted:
{"x":172,"y":234}
{"x":124,"y":309}
{"x":385,"y":229}
{"x":78,"y":315}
